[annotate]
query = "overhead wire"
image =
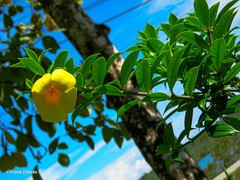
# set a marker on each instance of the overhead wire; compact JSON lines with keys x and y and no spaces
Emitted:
{"x":90,"y":6}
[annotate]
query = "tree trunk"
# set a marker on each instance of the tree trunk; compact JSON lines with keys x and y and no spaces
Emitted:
{"x":89,"y":38}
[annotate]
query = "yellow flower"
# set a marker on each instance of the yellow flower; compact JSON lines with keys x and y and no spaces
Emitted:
{"x":55,"y":95}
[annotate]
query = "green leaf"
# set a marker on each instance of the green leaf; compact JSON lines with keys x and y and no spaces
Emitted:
{"x":19,"y":158}
{"x":202,"y":11}
{"x":112,"y":59}
{"x":127,"y":67}
{"x":150,"y":31}
{"x":168,"y":136}
{"x":172,"y":69}
{"x":225,"y":9}
{"x":88,"y":64}
{"x":157,"y":62}
{"x":21,"y":142}
{"x":213,"y":14}
{"x":60,"y":59}
{"x":218,"y":50}
{"x":18,"y":65}
{"x":158,"y":96}
{"x":172,"y":19}
{"x":36,"y":176}
{"x":53,"y":145}
{"x":233,"y":100}
{"x":162,"y":149}
{"x":194,"y":39}
{"x":9,"y":137}
{"x":63,"y":159}
{"x":7,"y":21}
{"x":50,"y":43}
{"x":143,"y":75}
{"x":33,"y":66}
{"x":126,"y":107}
{"x":108,"y":90}
{"x":233,"y":122}
{"x":69,"y":64}
{"x":232,"y":72}
{"x":81,"y":108}
{"x":41,"y":55}
{"x":99,"y":70}
{"x":48,"y":127}
{"x":29,"y":83}
{"x":188,"y":120}
{"x":62,"y":146}
{"x":220,"y":130}
{"x":107,"y":134}
{"x":89,"y":142}
{"x":118,"y":138}
{"x":31,"y":54}
{"x":190,"y":80}
{"x":79,"y":81}
{"x":224,"y":24}
{"x":124,"y":131}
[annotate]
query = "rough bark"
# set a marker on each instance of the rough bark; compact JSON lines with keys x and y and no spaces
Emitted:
{"x":89,"y":38}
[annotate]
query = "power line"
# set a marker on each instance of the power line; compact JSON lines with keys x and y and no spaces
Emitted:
{"x":126,"y":11}
{"x":115,"y":16}
{"x":95,"y":4}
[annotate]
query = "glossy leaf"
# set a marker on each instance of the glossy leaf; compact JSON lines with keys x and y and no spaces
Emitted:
{"x":232,"y":72}
{"x":112,"y":59}
{"x":213,"y":13}
{"x":233,"y":122}
{"x":29,"y":83}
{"x":143,"y":75}
{"x":127,"y":67}
{"x":190,"y":80}
{"x":173,"y":67}
{"x":41,"y":55}
{"x":62,"y":146}
{"x":31,"y":54}
{"x":220,"y":130}
{"x":194,"y":39}
{"x":33,"y":66}
{"x":60,"y":59}
{"x":69,"y":64}
{"x":18,"y":65}
{"x":233,"y":100}
{"x":202,"y":11}
{"x":225,"y":9}
{"x":224,"y":24}
{"x":108,"y":90}
{"x":86,"y":67}
{"x":150,"y":31}
{"x":79,"y":81}
{"x":158,"y":96}
{"x":162,"y":149}
{"x":99,"y":70}
{"x":218,"y":50}
{"x":126,"y":107}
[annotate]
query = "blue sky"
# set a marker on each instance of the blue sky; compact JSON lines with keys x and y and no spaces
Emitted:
{"x":107,"y":161}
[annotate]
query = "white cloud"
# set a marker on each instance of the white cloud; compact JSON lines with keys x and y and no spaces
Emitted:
{"x":130,"y":166}
{"x":56,"y":171}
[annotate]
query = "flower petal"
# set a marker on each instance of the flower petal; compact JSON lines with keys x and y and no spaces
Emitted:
{"x":63,"y":79}
{"x":40,"y":84}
